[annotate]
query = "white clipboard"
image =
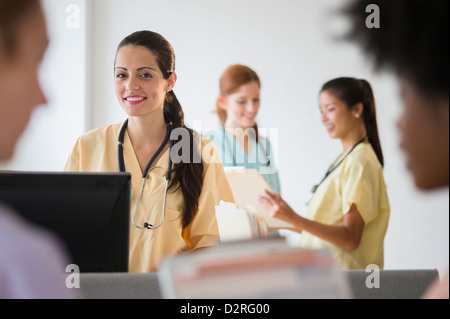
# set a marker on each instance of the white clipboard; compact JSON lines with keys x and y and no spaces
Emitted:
{"x":247,"y":185}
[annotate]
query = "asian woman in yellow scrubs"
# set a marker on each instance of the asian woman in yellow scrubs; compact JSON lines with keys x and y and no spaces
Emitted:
{"x":349,"y":211}
{"x":144,"y":78}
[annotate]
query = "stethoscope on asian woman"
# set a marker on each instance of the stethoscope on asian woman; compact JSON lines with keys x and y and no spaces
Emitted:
{"x":335,"y":165}
{"x":147,"y":169}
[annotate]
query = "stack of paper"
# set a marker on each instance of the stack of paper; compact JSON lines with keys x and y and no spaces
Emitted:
{"x":239,"y":224}
{"x":258,"y":269}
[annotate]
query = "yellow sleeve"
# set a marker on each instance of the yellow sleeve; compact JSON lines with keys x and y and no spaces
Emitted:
{"x":203,"y":230}
{"x":73,"y":162}
{"x":360,"y":186}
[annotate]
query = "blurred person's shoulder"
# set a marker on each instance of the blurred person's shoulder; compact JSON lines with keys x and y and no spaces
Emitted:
{"x":17,"y":235}
{"x":33,"y":261}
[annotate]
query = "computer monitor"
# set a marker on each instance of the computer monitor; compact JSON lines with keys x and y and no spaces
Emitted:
{"x":89,"y":212}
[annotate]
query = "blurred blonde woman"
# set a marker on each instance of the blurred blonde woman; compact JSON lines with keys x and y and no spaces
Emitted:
{"x":238,"y":140}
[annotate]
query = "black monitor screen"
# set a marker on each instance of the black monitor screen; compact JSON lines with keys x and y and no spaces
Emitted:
{"x":89,"y":212}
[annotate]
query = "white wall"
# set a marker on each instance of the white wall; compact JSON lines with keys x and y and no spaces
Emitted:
{"x":288,"y":43}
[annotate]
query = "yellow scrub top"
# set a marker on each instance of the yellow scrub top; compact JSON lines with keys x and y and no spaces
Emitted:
{"x":358,"y":180}
{"x":96,"y":151}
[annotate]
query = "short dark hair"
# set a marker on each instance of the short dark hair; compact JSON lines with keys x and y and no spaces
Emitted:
{"x":11,"y":12}
{"x":413,"y":40}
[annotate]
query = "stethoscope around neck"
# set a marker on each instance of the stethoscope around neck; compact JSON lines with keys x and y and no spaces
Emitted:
{"x":226,"y":142}
{"x":146,"y":171}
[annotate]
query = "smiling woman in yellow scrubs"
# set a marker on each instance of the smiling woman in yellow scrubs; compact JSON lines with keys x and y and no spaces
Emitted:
{"x":144,"y":79}
{"x":349,"y":211}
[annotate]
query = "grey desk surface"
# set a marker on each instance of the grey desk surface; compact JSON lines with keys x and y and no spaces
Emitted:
{"x":394,"y":284}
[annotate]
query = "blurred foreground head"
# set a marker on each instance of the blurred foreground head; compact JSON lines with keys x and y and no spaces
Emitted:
{"x":23,"y":41}
{"x":412,"y":41}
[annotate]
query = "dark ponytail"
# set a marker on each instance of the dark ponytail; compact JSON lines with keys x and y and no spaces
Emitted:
{"x":187,"y":175}
{"x":353,"y":91}
{"x":370,"y":119}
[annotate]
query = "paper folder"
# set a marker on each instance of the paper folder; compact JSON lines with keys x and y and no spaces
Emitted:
{"x":247,"y":185}
{"x":238,"y":224}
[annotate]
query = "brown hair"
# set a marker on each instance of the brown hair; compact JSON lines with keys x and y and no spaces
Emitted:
{"x":11,"y":12}
{"x":187,"y":176}
{"x":231,"y":80}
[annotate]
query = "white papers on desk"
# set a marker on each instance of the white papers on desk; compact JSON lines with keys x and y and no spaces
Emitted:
{"x":257,"y":269}
{"x":247,"y":185}
{"x":238,"y":224}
